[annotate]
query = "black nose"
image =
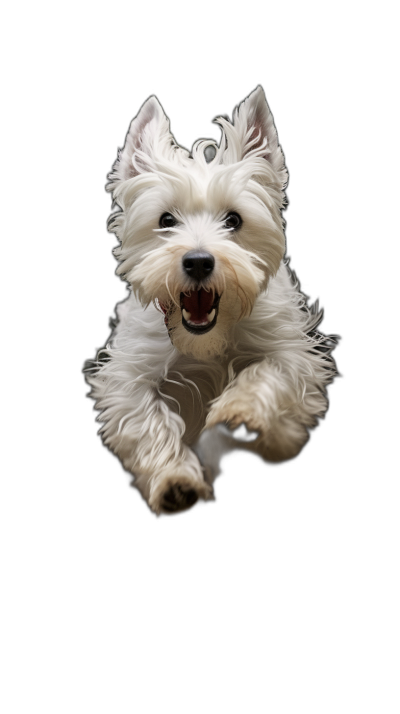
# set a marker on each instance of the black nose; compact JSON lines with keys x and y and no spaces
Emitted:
{"x":198,"y":264}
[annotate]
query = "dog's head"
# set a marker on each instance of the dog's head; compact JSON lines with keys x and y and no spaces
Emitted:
{"x":200,"y":233}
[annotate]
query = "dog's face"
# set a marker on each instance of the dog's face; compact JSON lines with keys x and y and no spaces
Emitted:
{"x":200,"y":233}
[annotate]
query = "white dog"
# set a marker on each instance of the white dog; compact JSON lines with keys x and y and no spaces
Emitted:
{"x":215,"y":329}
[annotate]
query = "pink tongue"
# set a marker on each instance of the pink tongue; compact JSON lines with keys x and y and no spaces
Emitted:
{"x":198,"y":303}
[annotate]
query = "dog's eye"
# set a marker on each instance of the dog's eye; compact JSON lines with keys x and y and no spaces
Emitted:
{"x":167,"y":220}
{"x":233,"y":221}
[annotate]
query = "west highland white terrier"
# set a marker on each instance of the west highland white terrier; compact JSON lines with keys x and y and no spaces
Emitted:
{"x":215,"y":329}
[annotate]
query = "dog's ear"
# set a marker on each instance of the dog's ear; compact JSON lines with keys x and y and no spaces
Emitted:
{"x":148,"y":136}
{"x":253,"y":133}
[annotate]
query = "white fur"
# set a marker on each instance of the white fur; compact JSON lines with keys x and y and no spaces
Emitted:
{"x":263,"y":364}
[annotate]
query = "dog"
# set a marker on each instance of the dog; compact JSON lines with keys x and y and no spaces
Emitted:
{"x":215,"y":329}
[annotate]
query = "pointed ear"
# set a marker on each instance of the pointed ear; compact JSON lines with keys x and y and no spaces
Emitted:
{"x":148,"y":134}
{"x":255,"y":132}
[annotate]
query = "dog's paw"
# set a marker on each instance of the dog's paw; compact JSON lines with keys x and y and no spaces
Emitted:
{"x":233,"y":410}
{"x":239,"y":432}
{"x":178,"y":486}
{"x":178,"y":497}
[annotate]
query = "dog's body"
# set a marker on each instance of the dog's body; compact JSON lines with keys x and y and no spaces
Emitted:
{"x":216,"y":329}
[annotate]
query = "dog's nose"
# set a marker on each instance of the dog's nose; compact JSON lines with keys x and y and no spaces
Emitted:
{"x":198,"y":264}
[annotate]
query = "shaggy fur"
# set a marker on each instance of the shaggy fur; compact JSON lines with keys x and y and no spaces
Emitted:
{"x":248,"y":351}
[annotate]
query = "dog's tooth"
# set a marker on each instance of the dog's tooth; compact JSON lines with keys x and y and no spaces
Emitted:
{"x":211,"y":316}
{"x":186,"y":314}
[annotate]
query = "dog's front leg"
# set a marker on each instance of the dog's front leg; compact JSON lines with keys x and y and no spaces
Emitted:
{"x":278,"y":403}
{"x":146,"y":435}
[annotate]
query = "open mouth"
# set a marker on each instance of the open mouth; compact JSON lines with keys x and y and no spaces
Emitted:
{"x":199,"y":310}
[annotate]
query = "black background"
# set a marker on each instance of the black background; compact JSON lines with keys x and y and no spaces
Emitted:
{"x":308,"y":504}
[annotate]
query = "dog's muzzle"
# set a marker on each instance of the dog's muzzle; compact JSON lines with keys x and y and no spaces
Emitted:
{"x":199,"y":310}
{"x":198,"y":264}
{"x":199,"y":306}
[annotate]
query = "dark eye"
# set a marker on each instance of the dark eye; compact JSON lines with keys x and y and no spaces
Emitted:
{"x":167,"y":220}
{"x":233,"y":221}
